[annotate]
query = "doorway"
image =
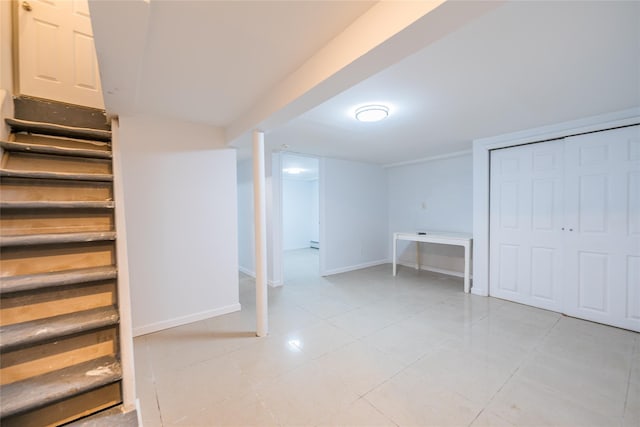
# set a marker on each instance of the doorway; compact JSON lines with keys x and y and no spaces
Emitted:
{"x":300,"y":217}
{"x":56,"y":52}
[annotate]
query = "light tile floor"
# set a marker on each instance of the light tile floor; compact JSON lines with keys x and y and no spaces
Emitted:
{"x":367,"y":349}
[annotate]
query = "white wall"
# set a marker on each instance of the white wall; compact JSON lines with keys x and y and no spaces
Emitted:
{"x":433,"y":195}
{"x":300,"y":223}
{"x":354,"y":215}
{"x":181,"y":215}
{"x":246,"y":235}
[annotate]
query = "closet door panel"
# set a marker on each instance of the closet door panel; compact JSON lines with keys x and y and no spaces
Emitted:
{"x":525,"y":221}
{"x":602,"y":236}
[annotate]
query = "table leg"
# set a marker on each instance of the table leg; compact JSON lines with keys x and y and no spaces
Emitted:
{"x":395,"y":243}
{"x":467,"y":284}
{"x":417,"y":255}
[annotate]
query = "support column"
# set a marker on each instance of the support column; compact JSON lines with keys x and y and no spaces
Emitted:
{"x":260,"y":224}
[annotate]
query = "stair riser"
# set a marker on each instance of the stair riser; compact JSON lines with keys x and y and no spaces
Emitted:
{"x":38,"y":221}
{"x":20,"y":161}
{"x":38,"y":109}
{"x":21,"y":189}
{"x":43,"y":259}
{"x":41,"y":359}
{"x":28,"y":306}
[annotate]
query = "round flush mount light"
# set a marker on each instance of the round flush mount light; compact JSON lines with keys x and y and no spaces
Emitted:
{"x":372,"y":113}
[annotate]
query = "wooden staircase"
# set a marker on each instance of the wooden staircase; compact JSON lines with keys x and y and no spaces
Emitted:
{"x":59,"y":320}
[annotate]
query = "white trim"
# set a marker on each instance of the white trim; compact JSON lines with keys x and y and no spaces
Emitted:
{"x":271,"y":283}
{"x":139,"y":413}
{"x":436,"y":270}
{"x":429,"y":159}
{"x":355,"y":267}
{"x":183,"y":320}
{"x":561,"y":130}
{"x":123,"y":283}
{"x":247,"y":271}
{"x":6,"y":112}
{"x":481,"y":157}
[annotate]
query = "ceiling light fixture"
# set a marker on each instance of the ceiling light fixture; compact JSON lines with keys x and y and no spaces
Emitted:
{"x":372,"y":113}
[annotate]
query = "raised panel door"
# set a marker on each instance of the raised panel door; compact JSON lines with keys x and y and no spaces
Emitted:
{"x":57,"y":57}
{"x":602,"y":233}
{"x":525,"y":221}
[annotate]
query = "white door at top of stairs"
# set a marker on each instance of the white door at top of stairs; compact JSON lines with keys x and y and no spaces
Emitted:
{"x":565,"y":226}
{"x":56,"y":52}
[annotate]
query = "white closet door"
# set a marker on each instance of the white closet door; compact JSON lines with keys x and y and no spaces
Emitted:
{"x":602,"y":227}
{"x":526,"y":263}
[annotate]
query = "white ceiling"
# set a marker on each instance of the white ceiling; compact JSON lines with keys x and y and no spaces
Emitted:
{"x":466,"y":70}
{"x":522,"y":65}
{"x":207,"y":61}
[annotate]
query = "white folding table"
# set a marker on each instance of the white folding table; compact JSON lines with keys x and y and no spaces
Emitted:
{"x":441,"y":237}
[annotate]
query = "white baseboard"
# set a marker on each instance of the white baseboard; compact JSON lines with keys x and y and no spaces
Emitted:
{"x":479,"y":292}
{"x":253,"y":274}
{"x":435,"y":269}
{"x":354,"y":267}
{"x":139,"y":413}
{"x":183,"y":320}
{"x":247,"y":271}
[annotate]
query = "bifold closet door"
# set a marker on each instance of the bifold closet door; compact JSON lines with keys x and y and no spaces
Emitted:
{"x":565,"y":226}
{"x":602,"y":245}
{"x":526,"y":215}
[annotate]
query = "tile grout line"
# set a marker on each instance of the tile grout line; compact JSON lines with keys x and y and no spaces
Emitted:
{"x":406,"y":366}
{"x":515,"y":371}
{"x":257,"y":395}
{"x":153,"y":381}
{"x":364,"y":395}
{"x":379,"y":411}
{"x":635,"y":349}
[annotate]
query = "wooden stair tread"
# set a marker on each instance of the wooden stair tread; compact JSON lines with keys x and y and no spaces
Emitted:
{"x":58,"y":130}
{"x":25,"y":334}
{"x":30,"y":282}
{"x":113,"y":417}
{"x":57,"y":204}
{"x":56,"y":175}
{"x":46,"y":239}
{"x":52,"y":149}
{"x":52,"y":387}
